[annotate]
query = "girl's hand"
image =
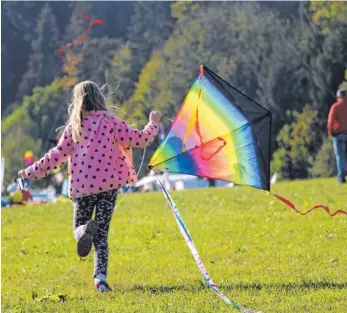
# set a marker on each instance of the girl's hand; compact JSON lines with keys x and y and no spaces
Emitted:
{"x":155,"y":117}
{"x":21,"y":174}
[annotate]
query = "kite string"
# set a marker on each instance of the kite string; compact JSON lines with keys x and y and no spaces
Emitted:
{"x":138,"y":171}
{"x":189,"y":241}
{"x":169,"y":119}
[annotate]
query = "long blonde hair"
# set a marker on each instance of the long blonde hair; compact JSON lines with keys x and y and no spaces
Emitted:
{"x":86,"y":96}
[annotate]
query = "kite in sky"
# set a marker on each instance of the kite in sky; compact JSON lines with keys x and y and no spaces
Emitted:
{"x":84,"y":35}
{"x":218,"y":133}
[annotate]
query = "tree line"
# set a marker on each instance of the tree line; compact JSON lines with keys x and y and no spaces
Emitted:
{"x":290,"y":57}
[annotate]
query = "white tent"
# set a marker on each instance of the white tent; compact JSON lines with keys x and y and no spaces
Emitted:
{"x":151,"y":178}
{"x":146,"y":180}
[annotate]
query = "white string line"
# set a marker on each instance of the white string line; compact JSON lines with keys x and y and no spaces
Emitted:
{"x":138,"y":171}
{"x":169,"y":119}
{"x":60,"y":128}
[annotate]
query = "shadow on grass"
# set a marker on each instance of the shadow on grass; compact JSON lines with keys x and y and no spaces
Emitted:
{"x":309,"y":285}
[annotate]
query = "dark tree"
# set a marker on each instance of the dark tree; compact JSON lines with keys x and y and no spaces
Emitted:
{"x":43,"y":65}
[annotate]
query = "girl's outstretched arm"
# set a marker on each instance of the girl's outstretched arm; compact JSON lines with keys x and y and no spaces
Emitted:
{"x":135,"y":138}
{"x":131,"y":137}
{"x":52,"y":159}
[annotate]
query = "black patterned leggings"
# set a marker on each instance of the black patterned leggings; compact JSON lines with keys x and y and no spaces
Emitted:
{"x":104,"y":203}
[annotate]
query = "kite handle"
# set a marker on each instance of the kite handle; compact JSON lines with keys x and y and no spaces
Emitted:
{"x":23,"y":184}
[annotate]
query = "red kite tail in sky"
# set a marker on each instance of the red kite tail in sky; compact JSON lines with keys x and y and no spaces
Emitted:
{"x":84,"y":35}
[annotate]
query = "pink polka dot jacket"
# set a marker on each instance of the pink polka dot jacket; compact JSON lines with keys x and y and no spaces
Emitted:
{"x":102,"y":158}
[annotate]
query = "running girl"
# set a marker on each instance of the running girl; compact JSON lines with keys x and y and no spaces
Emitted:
{"x":97,"y":144}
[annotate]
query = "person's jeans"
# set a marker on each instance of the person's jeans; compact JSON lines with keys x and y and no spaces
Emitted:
{"x":340,"y":148}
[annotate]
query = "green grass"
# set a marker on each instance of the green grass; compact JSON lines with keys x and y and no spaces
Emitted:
{"x":258,"y":251}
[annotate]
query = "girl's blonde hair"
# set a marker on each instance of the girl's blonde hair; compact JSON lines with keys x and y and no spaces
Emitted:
{"x":86,"y":96}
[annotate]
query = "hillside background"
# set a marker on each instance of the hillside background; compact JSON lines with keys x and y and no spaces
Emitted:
{"x":291,"y":57}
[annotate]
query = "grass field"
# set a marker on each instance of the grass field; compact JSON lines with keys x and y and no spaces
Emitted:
{"x":258,"y":251}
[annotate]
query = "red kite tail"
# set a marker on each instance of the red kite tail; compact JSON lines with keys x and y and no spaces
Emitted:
{"x":84,"y":35}
{"x":318,"y":206}
{"x":87,"y":16}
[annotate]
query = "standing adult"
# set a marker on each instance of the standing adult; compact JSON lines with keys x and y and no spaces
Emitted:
{"x":337,"y":129}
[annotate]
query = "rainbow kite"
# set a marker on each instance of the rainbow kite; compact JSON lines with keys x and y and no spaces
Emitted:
{"x":218,"y":133}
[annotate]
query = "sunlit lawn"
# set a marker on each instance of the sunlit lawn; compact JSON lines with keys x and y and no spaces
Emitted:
{"x":259,"y":252}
